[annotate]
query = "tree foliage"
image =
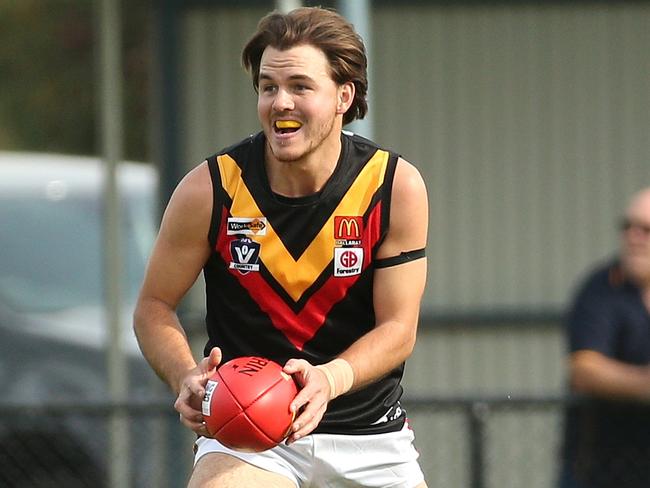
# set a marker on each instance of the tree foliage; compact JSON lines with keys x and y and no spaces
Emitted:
{"x":49,"y":98}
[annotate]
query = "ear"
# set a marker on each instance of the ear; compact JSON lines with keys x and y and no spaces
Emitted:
{"x":345,"y":97}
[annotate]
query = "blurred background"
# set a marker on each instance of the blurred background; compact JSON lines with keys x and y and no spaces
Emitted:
{"x":529,"y":121}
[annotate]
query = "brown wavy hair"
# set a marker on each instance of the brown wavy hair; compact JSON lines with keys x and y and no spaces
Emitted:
{"x":324,"y":29}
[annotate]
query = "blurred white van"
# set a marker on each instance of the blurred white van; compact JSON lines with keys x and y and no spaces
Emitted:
{"x":52,"y":242}
{"x":52,"y":316}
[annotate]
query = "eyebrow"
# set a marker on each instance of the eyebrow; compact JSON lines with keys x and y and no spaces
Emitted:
{"x":264,"y":76}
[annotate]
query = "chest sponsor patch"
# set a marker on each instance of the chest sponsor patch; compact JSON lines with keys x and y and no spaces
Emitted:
{"x":348,"y":261}
{"x":348,"y":230}
{"x":245,"y":254}
{"x":246,"y":226}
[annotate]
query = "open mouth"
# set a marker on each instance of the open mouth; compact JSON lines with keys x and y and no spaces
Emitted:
{"x":286,"y":126}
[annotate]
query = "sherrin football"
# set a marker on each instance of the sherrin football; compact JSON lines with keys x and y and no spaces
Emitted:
{"x":246,"y":404}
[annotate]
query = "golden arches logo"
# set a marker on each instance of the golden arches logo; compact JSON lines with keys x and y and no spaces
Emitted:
{"x":347,"y":227}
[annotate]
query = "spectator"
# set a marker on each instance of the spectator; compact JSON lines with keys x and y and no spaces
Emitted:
{"x":607,"y":441}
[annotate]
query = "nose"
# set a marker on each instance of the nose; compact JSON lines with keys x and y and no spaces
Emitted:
{"x":282,"y":101}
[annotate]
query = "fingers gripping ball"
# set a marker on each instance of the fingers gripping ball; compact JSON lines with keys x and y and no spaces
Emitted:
{"x":246,"y":404}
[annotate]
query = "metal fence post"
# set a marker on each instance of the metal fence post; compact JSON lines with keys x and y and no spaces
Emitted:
{"x":477,"y":412}
{"x":110,"y":81}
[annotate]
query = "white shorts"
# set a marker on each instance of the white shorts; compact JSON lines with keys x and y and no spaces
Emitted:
{"x":326,"y":460}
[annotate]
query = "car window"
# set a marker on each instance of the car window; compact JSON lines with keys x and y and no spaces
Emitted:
{"x":51,"y":250}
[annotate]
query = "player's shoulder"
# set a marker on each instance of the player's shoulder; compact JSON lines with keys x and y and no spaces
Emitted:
{"x":189,"y":209}
{"x":409,"y":212}
{"x":193,"y":194}
{"x":363,"y":145}
{"x":408,"y":180}
{"x":196,"y":181}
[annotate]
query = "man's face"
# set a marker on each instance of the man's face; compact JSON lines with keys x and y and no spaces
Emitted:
{"x":299,"y":106}
{"x":636,"y":239}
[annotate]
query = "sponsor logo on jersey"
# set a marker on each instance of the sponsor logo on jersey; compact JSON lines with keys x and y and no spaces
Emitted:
{"x":245,"y":254}
{"x":393,"y":413}
{"x":348,"y":261}
{"x":246,"y":226}
{"x":348,"y":253}
{"x":348,"y":228}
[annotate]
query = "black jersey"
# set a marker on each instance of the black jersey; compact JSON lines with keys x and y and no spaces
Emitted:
{"x":293,"y":277}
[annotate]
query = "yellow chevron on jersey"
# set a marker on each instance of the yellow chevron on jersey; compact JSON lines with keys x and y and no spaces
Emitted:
{"x":295,"y":276}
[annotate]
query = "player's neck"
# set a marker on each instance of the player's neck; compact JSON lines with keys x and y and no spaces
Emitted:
{"x":304,"y":176}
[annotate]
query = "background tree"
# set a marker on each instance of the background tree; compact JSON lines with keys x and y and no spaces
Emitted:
{"x":48,"y":73}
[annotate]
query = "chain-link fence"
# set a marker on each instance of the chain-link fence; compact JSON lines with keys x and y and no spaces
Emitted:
{"x":69,"y":445}
{"x":464,"y":443}
{"x":488,"y":443}
{"x":520,"y":442}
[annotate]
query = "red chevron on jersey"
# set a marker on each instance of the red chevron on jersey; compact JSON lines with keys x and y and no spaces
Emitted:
{"x":302,"y":326}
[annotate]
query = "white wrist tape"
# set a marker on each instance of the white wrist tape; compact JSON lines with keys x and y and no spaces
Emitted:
{"x":339,"y":375}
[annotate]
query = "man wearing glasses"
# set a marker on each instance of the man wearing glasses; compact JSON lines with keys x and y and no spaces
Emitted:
{"x":608,"y":438}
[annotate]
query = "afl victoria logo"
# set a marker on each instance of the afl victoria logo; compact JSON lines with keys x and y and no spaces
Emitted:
{"x":244,"y":254}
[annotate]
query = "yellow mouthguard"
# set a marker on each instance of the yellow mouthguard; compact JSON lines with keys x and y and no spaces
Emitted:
{"x":287,"y":124}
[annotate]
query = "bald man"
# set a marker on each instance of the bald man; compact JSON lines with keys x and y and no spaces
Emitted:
{"x":608,"y":440}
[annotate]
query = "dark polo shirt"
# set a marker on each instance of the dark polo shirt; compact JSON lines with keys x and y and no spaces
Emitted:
{"x":608,"y":443}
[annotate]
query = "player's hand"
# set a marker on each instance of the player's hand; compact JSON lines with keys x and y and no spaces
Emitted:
{"x":311,"y":401}
{"x":191,"y":392}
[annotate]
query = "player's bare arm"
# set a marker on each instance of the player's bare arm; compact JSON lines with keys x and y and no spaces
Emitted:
{"x":397,"y":294}
{"x":178,"y":256}
{"x":397,"y":289}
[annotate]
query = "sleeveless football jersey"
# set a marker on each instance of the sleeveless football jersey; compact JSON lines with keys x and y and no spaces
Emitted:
{"x":293,"y":277}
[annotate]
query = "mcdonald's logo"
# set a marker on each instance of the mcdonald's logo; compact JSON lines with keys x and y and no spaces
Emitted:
{"x":347,"y":227}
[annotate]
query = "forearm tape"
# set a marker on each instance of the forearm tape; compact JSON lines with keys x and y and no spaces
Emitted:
{"x":339,"y":375}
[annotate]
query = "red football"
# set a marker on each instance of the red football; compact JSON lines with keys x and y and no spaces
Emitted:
{"x":246,"y":404}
